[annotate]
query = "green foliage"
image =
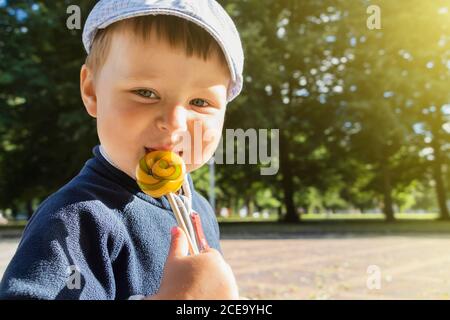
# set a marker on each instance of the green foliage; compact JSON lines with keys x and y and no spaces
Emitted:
{"x":364,"y":115}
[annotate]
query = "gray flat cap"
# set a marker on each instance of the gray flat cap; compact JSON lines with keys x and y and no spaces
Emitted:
{"x":208,"y":14}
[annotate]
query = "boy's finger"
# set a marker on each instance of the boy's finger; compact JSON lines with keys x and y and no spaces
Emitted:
{"x":179,"y":246}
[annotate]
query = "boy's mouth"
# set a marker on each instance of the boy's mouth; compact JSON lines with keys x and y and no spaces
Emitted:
{"x":148,"y":149}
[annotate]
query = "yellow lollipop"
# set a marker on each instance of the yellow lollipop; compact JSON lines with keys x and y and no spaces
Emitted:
{"x":160,"y":173}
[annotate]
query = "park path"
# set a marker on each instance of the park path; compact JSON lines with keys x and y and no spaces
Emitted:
{"x":337,"y":268}
{"x":409,"y":267}
{"x":7,"y":249}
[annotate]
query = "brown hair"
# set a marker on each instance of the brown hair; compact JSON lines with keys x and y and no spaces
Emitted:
{"x":180,"y":33}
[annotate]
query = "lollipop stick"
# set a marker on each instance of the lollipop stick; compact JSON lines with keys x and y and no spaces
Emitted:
{"x":180,"y":221}
{"x":183,"y":207}
{"x":187,"y":190}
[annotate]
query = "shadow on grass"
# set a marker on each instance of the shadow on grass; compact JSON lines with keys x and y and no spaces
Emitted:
{"x":333,"y":229}
{"x":310,"y":229}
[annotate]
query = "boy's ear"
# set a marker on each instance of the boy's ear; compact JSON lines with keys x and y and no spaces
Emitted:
{"x":88,"y":91}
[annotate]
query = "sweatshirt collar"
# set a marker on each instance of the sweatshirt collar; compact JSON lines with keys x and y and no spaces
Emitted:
{"x":103,"y":165}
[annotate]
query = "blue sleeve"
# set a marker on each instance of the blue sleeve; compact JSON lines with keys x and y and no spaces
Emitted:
{"x":65,"y":253}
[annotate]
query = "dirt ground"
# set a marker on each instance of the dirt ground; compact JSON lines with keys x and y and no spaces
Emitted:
{"x":338,"y":267}
{"x":342,"y":268}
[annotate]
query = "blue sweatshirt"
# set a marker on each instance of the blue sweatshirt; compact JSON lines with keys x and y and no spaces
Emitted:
{"x":98,"y":237}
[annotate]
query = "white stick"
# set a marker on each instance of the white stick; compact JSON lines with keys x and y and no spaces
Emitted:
{"x":180,"y":221}
{"x":187,"y":220}
{"x":188,"y":196}
{"x":187,"y":191}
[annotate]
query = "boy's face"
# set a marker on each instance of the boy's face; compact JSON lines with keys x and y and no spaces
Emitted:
{"x":150,"y":96}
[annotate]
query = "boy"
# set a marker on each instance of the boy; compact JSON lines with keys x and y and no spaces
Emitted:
{"x":155,"y":71}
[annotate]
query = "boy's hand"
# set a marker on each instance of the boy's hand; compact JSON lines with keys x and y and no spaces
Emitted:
{"x":203,"y":276}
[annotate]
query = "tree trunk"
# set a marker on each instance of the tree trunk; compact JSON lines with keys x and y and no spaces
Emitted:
{"x":249,"y":205}
{"x":280,"y":213}
{"x":258,"y":207}
{"x":287,"y":182}
{"x":230,"y":206}
{"x":29,"y":206}
{"x":235,"y":207}
{"x":14,"y":211}
{"x":439,"y":182}
{"x":387,"y":192}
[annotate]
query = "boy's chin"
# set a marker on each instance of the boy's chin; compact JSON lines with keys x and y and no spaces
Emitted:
{"x":192,"y":167}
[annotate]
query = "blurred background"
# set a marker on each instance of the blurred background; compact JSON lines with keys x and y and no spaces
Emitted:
{"x":364,"y":120}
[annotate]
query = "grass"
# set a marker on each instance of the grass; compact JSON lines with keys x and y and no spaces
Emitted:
{"x":336,"y":227}
{"x":322,"y":224}
{"x":335,"y":216}
{"x":368,"y":216}
{"x":337,"y":224}
{"x":20,"y":224}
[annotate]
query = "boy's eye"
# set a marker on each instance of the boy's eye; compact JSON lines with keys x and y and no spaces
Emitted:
{"x":146,"y":93}
{"x":199,"y":103}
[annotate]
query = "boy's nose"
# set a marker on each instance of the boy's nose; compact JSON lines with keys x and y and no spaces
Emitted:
{"x":173,"y":119}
